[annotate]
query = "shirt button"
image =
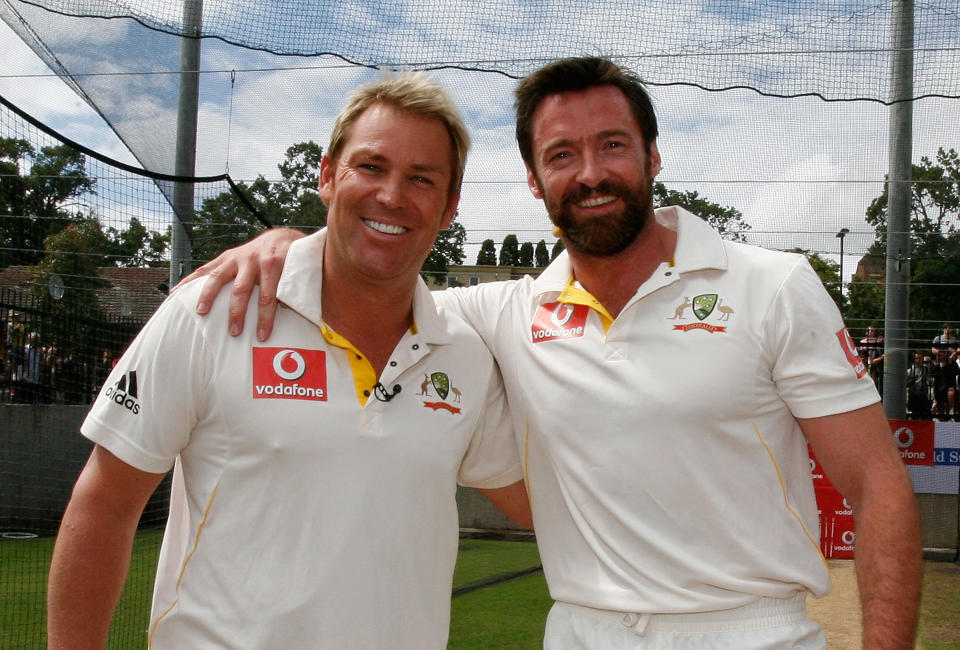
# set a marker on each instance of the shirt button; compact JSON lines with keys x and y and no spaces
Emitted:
{"x":393,"y":363}
{"x":668,"y":273}
{"x":416,"y":346}
{"x":359,"y":357}
{"x":366,"y":393}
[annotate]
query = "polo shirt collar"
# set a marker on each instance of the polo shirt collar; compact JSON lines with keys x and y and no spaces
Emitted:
{"x":301,"y":283}
{"x":699,"y":247}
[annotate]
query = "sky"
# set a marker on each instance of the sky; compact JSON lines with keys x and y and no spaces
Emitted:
{"x":798,"y":169}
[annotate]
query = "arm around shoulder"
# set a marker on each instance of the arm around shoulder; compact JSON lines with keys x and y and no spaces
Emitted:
{"x":92,"y":552}
{"x":858,"y":454}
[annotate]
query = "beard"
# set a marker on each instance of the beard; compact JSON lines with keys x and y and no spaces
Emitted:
{"x":610,"y":234}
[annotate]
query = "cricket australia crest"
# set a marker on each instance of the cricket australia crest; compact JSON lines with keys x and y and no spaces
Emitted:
{"x":703,"y":305}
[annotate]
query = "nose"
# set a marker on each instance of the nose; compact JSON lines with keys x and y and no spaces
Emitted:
{"x":591,"y":171}
{"x":390,"y":191}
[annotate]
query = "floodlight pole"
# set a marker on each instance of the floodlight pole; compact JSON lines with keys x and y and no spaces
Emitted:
{"x":841,"y":235}
{"x":895,"y":340}
{"x":181,"y":250}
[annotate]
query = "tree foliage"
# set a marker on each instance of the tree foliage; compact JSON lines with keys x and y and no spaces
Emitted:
{"x":223,"y":221}
{"x":558,"y":248}
{"x":509,"y":251}
{"x":35,"y":197}
{"x":525,"y":256}
{"x":447,"y":250}
{"x":487,"y":254}
{"x":934,"y":245}
{"x":725,"y":220}
{"x":540,"y":254}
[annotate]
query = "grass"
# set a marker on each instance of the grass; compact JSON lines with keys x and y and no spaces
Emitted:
{"x":24,"y":565}
{"x":504,"y":615}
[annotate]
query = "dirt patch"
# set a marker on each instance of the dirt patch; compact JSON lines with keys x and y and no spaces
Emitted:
{"x":839,"y":611}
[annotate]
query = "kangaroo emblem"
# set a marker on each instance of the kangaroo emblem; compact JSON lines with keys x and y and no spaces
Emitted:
{"x":425,"y":386}
{"x":679,"y":311}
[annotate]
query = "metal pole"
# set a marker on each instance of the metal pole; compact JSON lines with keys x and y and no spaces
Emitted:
{"x":898,"y":213}
{"x":841,"y":235}
{"x":186,"y":155}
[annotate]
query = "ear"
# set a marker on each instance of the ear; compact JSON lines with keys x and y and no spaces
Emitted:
{"x":654,"y":157}
{"x":450,"y":211}
{"x":533,"y":183}
{"x":325,"y":182}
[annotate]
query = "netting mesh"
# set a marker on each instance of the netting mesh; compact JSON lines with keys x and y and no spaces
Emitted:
{"x":796,"y":142}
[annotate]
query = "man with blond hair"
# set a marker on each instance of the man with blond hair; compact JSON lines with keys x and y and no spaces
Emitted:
{"x":313,"y":497}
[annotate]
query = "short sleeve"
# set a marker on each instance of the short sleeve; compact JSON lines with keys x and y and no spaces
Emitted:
{"x":492,"y":459}
{"x":150,"y":402}
{"x":815,"y":364}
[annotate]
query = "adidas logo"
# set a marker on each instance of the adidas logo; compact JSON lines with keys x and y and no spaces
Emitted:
{"x":124,"y":392}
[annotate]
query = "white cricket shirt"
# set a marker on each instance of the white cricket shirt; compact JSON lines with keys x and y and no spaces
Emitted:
{"x":304,"y":515}
{"x":666,"y":469}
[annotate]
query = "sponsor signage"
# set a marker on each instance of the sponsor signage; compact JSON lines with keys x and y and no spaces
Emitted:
{"x":559,"y":320}
{"x":915,"y":441}
{"x":289,"y":373}
{"x":850,"y":350}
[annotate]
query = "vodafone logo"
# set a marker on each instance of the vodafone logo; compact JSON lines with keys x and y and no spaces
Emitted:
{"x":850,"y":351}
{"x":561,"y":314}
{"x":289,"y":373}
{"x":848,"y":537}
{"x":558,"y":320}
{"x":299,"y":365}
{"x":904,"y":437}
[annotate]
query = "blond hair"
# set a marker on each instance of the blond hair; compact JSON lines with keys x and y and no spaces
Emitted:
{"x":417,"y":94}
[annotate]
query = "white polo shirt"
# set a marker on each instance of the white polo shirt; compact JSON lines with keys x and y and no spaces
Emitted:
{"x":303,"y":516}
{"x":666,"y":469}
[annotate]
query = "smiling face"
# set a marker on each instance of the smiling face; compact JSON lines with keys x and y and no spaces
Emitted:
{"x":388,"y":194}
{"x":592,"y":168}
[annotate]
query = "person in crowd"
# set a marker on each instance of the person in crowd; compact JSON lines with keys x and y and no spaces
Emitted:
{"x":313,"y":498}
{"x":667,"y":462}
{"x":944,"y":374}
{"x":945,"y":341}
{"x":919,"y":383}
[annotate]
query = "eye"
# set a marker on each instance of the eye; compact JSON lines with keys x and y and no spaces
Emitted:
{"x":424,"y":180}
{"x":370,"y":167}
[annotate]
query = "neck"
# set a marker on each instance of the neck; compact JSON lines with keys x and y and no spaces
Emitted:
{"x":614,"y":279}
{"x":373,"y":316}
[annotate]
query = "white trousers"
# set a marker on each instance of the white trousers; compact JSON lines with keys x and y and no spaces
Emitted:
{"x":768,"y":624}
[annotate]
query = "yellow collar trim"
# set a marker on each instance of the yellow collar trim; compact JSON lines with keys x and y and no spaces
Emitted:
{"x":574,"y":295}
{"x":364,"y":377}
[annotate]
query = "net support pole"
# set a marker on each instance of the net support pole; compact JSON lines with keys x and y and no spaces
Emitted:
{"x":186,"y":154}
{"x":898,"y":213}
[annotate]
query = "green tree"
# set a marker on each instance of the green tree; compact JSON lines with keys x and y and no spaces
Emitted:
{"x":829,"y":273}
{"x":137,"y":245}
{"x":934,"y":244}
{"x":73,"y":255}
{"x":35,"y":197}
{"x":488,"y":253}
{"x":223,"y":221}
{"x":725,"y":220}
{"x":558,"y":248}
{"x":447,"y":250}
{"x":509,"y":251}
{"x":525,"y":257}
{"x":540,"y":255}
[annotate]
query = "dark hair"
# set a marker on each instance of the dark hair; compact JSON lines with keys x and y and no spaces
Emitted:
{"x":572,"y":75}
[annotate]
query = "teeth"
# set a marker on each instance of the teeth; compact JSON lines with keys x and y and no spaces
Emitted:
{"x":600,"y":200}
{"x":385,"y":227}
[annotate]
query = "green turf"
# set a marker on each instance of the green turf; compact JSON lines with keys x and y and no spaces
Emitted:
{"x":505,"y":615}
{"x":24,"y":565}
